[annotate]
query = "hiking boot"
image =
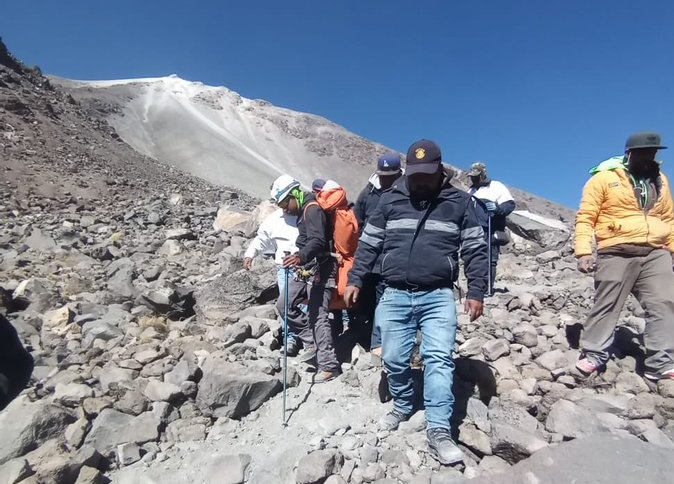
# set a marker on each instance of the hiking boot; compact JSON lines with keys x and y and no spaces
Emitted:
{"x":308,"y":356}
{"x":586,"y":367}
{"x":442,"y":447}
{"x":293,"y":347}
{"x":323,"y":376}
{"x":391,"y":420}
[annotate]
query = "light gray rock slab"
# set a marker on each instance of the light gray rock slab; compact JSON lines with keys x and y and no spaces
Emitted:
{"x":26,"y":425}
{"x":162,"y":391}
{"x":514,"y":444}
{"x":571,"y":421}
{"x":496,"y":348}
{"x":112,"y":428}
{"x":71,"y":394}
{"x":234,"y":390}
{"x":616,"y":460}
{"x":318,"y":466}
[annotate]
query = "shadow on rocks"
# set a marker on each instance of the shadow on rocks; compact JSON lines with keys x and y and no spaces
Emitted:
{"x":628,"y":343}
{"x":468,"y":374}
{"x":573,"y":332}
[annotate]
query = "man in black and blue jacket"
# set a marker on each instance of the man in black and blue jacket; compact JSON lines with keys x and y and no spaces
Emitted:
{"x":421,"y":225}
{"x":388,"y":172}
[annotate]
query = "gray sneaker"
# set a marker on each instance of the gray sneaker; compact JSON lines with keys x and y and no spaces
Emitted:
{"x":323,"y":376}
{"x":442,"y":447}
{"x":308,"y":356}
{"x":391,"y":420}
{"x":293,"y":347}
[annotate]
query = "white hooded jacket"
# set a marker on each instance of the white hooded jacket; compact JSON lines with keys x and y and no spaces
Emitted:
{"x":277,"y":233}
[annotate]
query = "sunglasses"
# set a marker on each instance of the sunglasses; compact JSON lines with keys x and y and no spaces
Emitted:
{"x":284,"y":203}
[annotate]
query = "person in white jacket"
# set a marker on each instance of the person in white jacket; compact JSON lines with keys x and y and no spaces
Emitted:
{"x":275,"y":237}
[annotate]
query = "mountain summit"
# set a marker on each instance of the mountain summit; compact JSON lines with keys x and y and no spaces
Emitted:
{"x":218,"y":135}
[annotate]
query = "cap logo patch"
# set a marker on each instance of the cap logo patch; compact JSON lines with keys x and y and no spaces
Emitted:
{"x":420,"y":153}
{"x":385,"y":164}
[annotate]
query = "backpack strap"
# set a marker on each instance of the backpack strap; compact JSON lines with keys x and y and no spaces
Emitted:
{"x":328,"y":218}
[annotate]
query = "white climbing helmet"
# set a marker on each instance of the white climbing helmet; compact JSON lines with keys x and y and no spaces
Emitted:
{"x":282,"y":187}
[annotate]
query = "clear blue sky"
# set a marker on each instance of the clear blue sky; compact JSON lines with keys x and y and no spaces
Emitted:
{"x":539,"y":90}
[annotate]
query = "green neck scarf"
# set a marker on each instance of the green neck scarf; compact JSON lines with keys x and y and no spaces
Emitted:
{"x":298,"y":195}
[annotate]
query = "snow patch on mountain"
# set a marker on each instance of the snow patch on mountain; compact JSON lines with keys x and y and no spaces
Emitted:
{"x":556,"y":224}
{"x":216,"y":134}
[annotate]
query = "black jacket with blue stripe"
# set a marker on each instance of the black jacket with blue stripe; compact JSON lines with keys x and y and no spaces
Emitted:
{"x":420,"y":241}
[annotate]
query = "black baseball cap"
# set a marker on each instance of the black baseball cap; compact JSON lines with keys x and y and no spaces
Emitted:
{"x":423,"y":156}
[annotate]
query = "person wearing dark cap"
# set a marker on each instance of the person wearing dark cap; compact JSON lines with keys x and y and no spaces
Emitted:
{"x":421,"y":225}
{"x":317,"y":185}
{"x":388,"y":171}
{"x":499,"y":203}
{"x":627,"y":209}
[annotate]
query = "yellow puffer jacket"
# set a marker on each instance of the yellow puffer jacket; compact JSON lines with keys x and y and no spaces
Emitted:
{"x":609,"y":211}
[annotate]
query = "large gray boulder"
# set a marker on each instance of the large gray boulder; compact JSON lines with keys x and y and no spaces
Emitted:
{"x":318,"y":465}
{"x":233,"y":390}
{"x":218,"y":299}
{"x":120,"y":276}
{"x":112,"y":428}
{"x":597,"y":459}
{"x":513,"y":443}
{"x":166,"y":298}
{"x":26,"y":425}
{"x":572,"y":421}
{"x":229,"y":469}
{"x":545,"y":232}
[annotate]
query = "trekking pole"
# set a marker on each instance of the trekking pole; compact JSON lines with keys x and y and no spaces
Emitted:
{"x":489,"y":288}
{"x":285,"y":342}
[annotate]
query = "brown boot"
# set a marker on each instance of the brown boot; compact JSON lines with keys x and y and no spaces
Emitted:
{"x":323,"y":376}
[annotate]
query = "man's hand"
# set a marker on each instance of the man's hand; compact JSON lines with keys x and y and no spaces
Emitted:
{"x":474,"y":308}
{"x":586,"y":264}
{"x":491,"y":207}
{"x":247,"y":263}
{"x":351,"y":295}
{"x":292,"y":260}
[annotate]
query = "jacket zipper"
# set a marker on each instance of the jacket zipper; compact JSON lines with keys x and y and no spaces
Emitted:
{"x":383,"y":261}
{"x":451,"y":267}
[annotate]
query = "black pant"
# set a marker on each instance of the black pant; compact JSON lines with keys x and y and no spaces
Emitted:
{"x":16,"y":364}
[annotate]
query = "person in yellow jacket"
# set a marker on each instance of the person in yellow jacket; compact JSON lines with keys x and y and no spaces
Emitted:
{"x":627,"y":209}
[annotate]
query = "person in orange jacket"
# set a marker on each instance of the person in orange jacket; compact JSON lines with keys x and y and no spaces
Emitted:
{"x":628,"y":210}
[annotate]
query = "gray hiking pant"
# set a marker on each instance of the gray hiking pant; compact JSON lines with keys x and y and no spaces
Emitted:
{"x":651,"y":280}
{"x":319,"y":322}
{"x":314,"y":329}
{"x":298,"y":323}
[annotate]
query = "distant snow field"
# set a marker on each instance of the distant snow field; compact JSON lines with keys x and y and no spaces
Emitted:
{"x":557,"y":224}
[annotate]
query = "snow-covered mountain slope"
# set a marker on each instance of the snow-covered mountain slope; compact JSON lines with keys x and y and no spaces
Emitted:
{"x":216,"y":134}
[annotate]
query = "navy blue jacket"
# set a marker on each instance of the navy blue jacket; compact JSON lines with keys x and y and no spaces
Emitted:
{"x":420,"y":242}
{"x":367,"y":203}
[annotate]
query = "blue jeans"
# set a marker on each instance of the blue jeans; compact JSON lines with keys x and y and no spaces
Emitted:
{"x":281,"y":281}
{"x":400,"y":313}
